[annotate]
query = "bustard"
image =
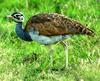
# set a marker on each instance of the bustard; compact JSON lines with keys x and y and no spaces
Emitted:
{"x":48,"y":29}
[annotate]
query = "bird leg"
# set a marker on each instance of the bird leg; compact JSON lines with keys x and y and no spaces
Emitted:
{"x":51,"y":55}
{"x":66,"y":52}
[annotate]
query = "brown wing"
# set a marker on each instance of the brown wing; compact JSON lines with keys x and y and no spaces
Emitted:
{"x":56,"y":24}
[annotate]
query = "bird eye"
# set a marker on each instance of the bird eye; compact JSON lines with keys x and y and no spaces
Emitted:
{"x":17,"y":15}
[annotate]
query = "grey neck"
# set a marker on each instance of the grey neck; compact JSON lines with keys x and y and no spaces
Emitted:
{"x":21,"y":33}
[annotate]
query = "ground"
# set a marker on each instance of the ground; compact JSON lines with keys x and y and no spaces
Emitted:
{"x":29,"y":61}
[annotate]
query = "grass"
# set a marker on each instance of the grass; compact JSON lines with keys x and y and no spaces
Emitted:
{"x":17,"y":62}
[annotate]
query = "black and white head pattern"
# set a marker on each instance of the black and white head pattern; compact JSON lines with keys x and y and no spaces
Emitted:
{"x":18,"y":17}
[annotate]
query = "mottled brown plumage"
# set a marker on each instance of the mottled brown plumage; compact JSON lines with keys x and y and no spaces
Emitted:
{"x":56,"y":24}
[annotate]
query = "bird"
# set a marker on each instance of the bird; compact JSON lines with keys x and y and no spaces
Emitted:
{"x":48,"y":29}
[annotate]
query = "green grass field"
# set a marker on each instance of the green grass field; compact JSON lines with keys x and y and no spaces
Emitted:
{"x":17,"y":62}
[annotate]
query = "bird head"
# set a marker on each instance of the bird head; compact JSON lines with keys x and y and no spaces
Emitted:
{"x":17,"y":17}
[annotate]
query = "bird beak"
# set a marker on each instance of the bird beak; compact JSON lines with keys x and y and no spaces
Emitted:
{"x":10,"y":17}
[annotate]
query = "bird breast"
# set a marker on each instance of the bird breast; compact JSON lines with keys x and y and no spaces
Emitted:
{"x":46,"y":39}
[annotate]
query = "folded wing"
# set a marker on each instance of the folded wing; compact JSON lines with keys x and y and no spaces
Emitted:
{"x":56,"y":24}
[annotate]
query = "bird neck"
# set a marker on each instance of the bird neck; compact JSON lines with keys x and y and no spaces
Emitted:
{"x":21,"y":33}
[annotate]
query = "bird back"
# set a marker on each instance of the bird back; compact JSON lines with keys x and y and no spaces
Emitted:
{"x":56,"y":24}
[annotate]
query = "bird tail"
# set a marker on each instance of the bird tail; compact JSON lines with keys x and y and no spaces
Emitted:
{"x":81,"y":29}
{"x":87,"y":31}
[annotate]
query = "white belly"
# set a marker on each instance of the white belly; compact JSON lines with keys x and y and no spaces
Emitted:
{"x":47,"y":39}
